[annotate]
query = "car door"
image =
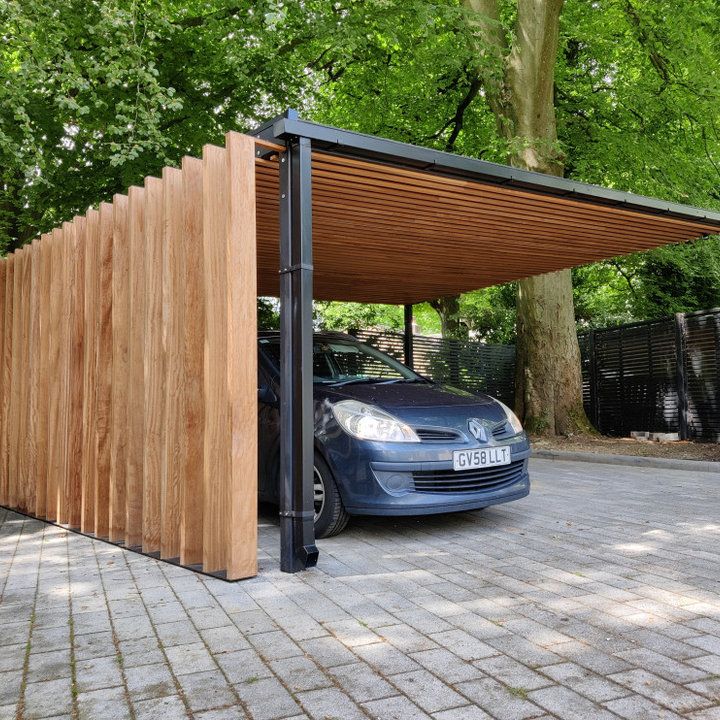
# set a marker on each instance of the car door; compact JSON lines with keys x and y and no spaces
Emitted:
{"x":268,"y":434}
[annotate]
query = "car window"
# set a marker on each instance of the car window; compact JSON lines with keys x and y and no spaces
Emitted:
{"x":344,"y":360}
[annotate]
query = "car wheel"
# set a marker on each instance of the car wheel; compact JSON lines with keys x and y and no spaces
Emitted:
{"x":330,"y":514}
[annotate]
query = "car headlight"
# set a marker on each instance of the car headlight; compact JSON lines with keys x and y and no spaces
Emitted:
{"x":367,"y":422}
{"x":512,"y":418}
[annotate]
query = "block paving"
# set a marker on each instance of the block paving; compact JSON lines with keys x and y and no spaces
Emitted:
{"x":596,"y":597}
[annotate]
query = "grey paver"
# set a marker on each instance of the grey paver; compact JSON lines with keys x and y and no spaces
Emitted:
{"x":709,"y":688}
{"x":573,"y":603}
{"x":167,"y":708}
{"x":362,"y":683}
{"x":231,"y":713}
{"x":330,"y":704}
{"x":568,"y":705}
{"x":107,"y":703}
{"x":386,"y":659}
{"x":395,"y":708}
{"x":149,"y":681}
{"x":267,"y":698}
{"x":427,"y":691}
{"x":12,"y":657}
{"x":10,"y":687}
{"x":663,"y":666}
{"x":446,"y":665}
{"x":594,"y":687}
{"x":511,"y":672}
{"x":98,"y":673}
{"x":328,"y":651}
{"x":206,"y":690}
{"x":636,"y":707}
{"x":49,"y":665}
{"x":661,"y":691}
{"x":502,"y":702}
{"x":464,"y":645}
{"x":243,"y":665}
{"x":300,"y":673}
{"x":192,"y":658}
{"x":466,"y":712}
{"x":43,"y":699}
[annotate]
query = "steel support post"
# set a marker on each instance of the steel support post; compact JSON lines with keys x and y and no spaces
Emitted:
{"x":408,"y":337}
{"x":297,"y":532}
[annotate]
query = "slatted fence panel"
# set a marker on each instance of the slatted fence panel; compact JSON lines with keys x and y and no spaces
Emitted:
{"x":469,"y":365}
{"x":702,"y":369}
{"x":128,"y":361}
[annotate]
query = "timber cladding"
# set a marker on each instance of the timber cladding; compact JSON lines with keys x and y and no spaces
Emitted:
{"x":128,"y":367}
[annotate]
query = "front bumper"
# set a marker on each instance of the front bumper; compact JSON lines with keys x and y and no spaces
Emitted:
{"x":378,"y":479}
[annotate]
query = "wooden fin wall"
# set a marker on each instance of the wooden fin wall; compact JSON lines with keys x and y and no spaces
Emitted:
{"x":128,"y":367}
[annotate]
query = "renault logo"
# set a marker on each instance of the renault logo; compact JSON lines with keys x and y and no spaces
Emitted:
{"x":477,"y":430}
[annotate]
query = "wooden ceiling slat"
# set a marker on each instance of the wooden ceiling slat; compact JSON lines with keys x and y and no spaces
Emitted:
{"x":431,"y":182}
{"x":389,"y":234}
{"x":377,"y":198}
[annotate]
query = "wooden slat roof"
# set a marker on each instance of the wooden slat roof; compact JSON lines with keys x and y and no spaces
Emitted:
{"x":397,"y":228}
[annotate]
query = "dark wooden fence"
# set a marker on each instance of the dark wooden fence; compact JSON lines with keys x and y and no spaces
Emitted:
{"x":657,"y":376}
{"x":465,"y":364}
{"x":660,"y":375}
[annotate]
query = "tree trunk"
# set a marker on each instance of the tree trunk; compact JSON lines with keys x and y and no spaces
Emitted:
{"x":451,"y":323}
{"x":519,"y":83}
{"x":547,"y":379}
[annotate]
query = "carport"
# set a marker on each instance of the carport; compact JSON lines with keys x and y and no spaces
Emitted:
{"x":366,"y":219}
{"x":128,"y":376}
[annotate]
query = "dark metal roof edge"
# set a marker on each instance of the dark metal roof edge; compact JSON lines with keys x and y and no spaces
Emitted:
{"x":369,"y":147}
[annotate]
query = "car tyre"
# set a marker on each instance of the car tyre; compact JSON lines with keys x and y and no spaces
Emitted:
{"x":332,"y":517}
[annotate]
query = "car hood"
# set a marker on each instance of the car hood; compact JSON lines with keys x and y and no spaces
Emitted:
{"x":419,"y":403}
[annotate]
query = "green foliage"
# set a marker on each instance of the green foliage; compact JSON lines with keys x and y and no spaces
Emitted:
{"x":346,"y":316}
{"x":268,"y":314}
{"x":97,"y":94}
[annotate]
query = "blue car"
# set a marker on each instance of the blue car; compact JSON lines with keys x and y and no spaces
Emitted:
{"x":389,"y":441}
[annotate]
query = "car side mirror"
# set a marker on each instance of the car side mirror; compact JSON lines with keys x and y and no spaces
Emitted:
{"x":267,"y":396}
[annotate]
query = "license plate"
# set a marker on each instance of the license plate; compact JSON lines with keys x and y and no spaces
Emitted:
{"x":480,"y":458}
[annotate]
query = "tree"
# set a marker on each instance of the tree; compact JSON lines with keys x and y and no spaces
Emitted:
{"x":516,"y":64}
{"x":97,"y":95}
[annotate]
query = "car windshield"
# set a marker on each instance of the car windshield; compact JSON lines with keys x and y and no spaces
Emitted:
{"x":338,"y":361}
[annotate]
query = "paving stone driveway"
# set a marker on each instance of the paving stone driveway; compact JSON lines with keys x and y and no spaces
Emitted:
{"x":597,"y":597}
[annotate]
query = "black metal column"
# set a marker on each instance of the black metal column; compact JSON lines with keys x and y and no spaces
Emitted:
{"x":297,"y":532}
{"x":408,"y":337}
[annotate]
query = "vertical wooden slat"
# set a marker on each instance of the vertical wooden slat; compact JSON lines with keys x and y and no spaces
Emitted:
{"x":120,"y":327}
{"x":75,"y":251}
{"x":43,"y":374}
{"x":33,"y":372}
{"x":217,"y":409}
{"x":14,"y":415}
{"x":5,"y":350}
{"x":168,"y":357}
{"x":153,"y":366}
{"x":241,"y":273}
{"x":186,"y":451}
{"x":55,"y":368}
{"x":135,"y":372}
{"x":3,"y":271}
{"x":26,"y":496}
{"x":64,"y":334}
{"x":90,"y":371}
{"x":104,"y":371}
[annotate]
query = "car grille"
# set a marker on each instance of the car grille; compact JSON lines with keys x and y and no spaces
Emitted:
{"x":438,"y":435}
{"x":451,"y":481}
{"x":502,"y":430}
